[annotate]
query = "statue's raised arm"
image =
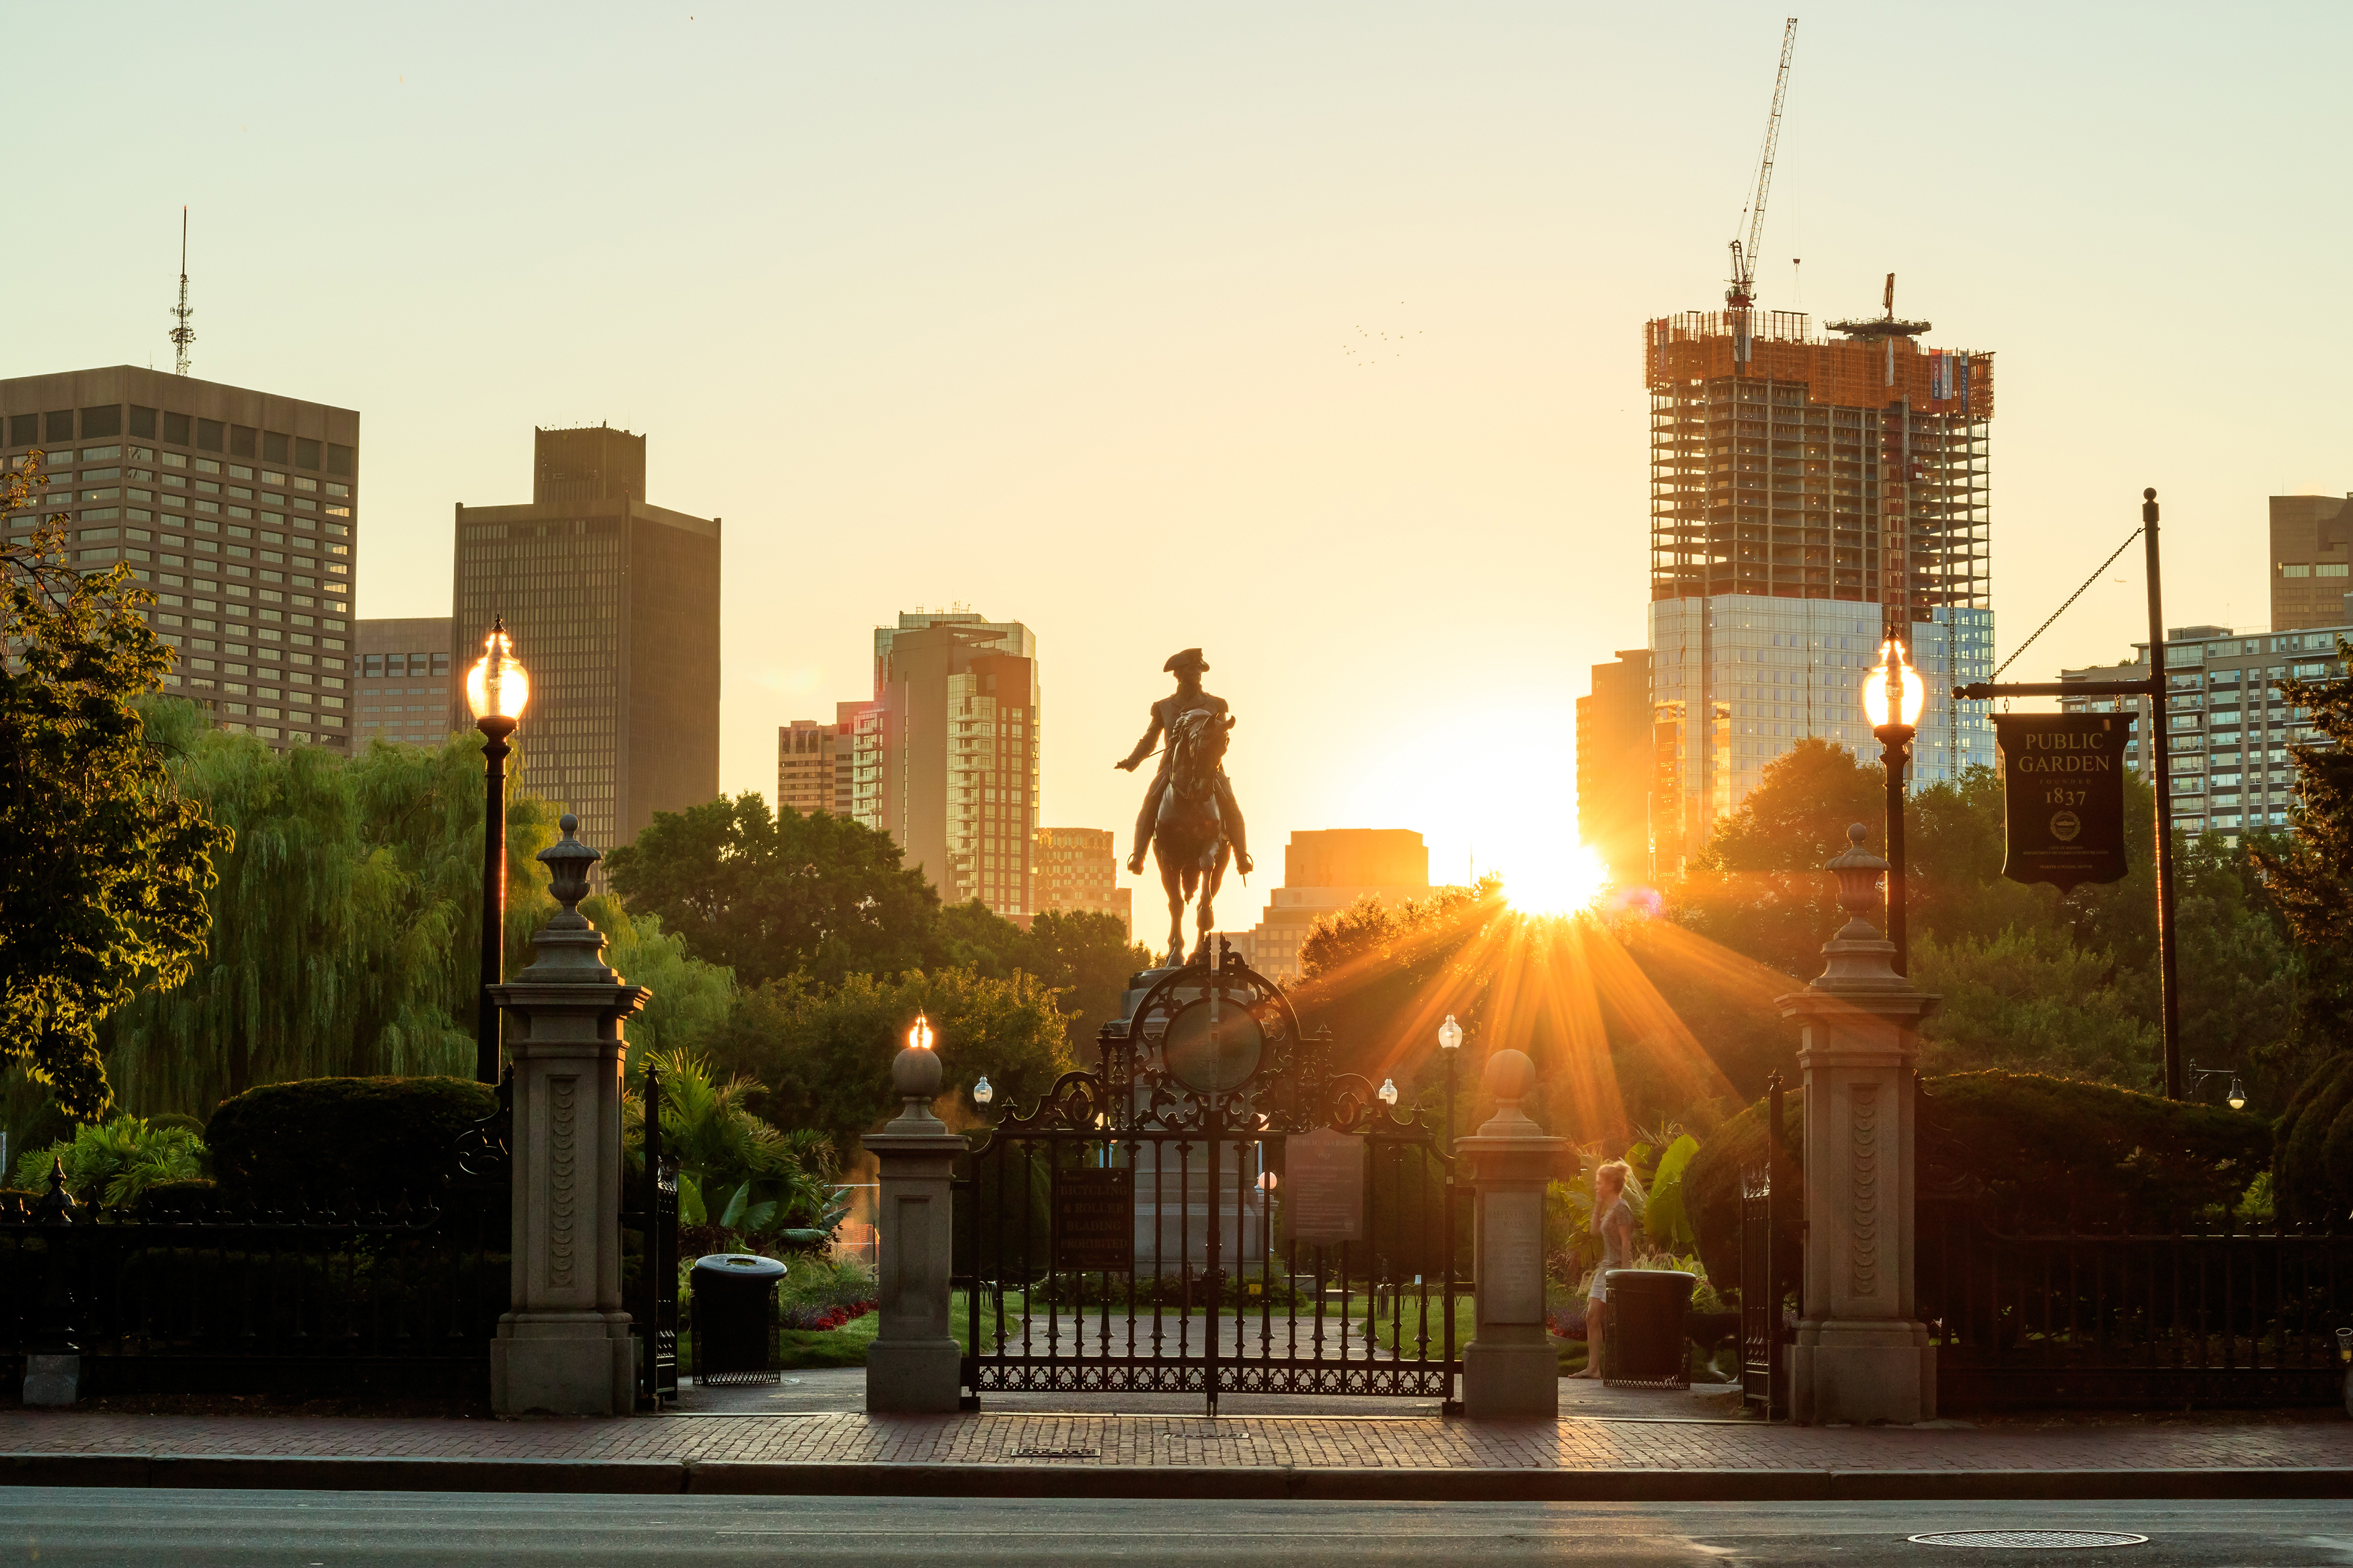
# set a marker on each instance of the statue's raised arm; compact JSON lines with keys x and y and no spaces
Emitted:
{"x":1189,"y":809}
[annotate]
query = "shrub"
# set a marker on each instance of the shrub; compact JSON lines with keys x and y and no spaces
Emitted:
{"x":2312,"y":1176}
{"x":322,"y":1137}
{"x":2053,"y":1147}
{"x":822,"y":1292}
{"x":115,"y":1161}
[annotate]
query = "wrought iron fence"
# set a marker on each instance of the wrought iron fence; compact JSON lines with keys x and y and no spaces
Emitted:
{"x":1771,"y":1271}
{"x":2130,"y":1310}
{"x":204,"y":1295}
{"x":652,"y":1215}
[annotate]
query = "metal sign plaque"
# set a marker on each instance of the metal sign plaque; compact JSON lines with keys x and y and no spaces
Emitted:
{"x":2062,"y":791}
{"x":1094,"y":1220}
{"x":1323,"y":1187}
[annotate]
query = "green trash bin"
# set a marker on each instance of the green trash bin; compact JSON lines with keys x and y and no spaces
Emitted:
{"x":1643,"y":1340}
{"x":734,"y":1318}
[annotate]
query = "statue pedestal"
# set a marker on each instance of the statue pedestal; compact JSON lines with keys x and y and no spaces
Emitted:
{"x":1860,"y":1354}
{"x":1510,"y":1371}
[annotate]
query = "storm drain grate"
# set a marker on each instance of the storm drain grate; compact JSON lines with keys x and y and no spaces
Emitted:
{"x":1055,"y":1454}
{"x":2028,"y":1540}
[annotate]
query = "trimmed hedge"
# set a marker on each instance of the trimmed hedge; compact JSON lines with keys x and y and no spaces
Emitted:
{"x":322,"y":1137}
{"x":2312,"y":1177}
{"x":2029,"y":1141}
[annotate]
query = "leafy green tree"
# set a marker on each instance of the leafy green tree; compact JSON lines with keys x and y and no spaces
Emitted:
{"x":770,"y":896}
{"x":343,"y":929}
{"x":690,"y":998}
{"x":825,"y":1051}
{"x":2030,"y":1000}
{"x":104,"y":864}
{"x":1084,"y":956}
{"x":1383,"y":977}
{"x":2309,"y":878}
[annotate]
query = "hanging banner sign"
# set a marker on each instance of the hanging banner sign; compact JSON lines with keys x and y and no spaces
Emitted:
{"x":2062,"y":791}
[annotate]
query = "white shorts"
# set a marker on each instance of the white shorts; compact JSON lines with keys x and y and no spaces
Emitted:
{"x":1600,"y":1292}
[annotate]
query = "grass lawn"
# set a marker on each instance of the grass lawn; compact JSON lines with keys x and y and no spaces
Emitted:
{"x":846,"y":1346}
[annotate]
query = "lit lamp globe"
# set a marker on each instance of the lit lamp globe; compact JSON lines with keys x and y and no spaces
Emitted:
{"x":1389,"y":1091}
{"x":1450,"y":1035}
{"x":498,"y":687}
{"x":2237,"y":1099}
{"x":1893,"y":669}
{"x":983,"y":1091}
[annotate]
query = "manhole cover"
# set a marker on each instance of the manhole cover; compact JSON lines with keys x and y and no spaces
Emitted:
{"x":1055,"y":1454}
{"x":2029,"y":1540}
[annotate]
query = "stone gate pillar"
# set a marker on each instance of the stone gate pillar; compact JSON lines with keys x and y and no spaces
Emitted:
{"x":564,"y":1346}
{"x":914,"y":1366}
{"x":1509,"y":1369}
{"x":1861,"y":1354}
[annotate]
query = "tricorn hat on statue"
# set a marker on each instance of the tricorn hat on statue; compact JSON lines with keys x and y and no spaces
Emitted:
{"x":1189,"y":659}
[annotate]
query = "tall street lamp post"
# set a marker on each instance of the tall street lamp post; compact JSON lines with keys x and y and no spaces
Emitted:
{"x":1450,"y":1041}
{"x":1892,"y":697}
{"x":496,"y":690}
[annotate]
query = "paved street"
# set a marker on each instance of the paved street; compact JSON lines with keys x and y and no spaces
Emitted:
{"x":326,"y":1530}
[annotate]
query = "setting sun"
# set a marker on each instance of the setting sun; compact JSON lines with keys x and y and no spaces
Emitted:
{"x":1556,"y":883}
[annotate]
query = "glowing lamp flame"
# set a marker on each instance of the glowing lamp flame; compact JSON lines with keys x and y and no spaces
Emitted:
{"x":1876,"y":688}
{"x":498,"y":684}
{"x":919,"y":1038}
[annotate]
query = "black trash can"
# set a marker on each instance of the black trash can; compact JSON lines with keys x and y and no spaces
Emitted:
{"x":734,"y":1318}
{"x":1642,"y":1343}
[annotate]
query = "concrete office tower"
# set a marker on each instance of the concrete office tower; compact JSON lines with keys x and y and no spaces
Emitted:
{"x":1323,"y":871}
{"x":1078,"y":869}
{"x":404,"y":686}
{"x":1613,"y":767}
{"x":2310,"y":536}
{"x":238,"y":508}
{"x":1808,"y":493}
{"x":946,"y":758}
{"x":2229,"y":733}
{"x":614,"y":606}
{"x":808,"y":750}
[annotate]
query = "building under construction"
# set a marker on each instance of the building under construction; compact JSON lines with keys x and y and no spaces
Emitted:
{"x":1809,"y":495}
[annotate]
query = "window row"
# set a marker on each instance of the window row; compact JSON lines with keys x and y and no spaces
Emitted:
{"x":179,"y":430}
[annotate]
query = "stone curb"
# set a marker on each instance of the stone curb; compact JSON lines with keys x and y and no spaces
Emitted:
{"x":740,"y":1478}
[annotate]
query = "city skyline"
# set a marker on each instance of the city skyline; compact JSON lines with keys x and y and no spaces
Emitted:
{"x":939,"y":347}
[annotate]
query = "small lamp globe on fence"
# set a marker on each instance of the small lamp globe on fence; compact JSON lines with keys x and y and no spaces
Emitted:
{"x":2237,"y":1098}
{"x":1266,"y":1182}
{"x":983,"y":1091}
{"x":1389,"y":1091}
{"x":497,"y":689}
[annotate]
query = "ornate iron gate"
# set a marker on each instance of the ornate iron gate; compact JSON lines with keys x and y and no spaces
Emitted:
{"x":1210,"y":1210}
{"x":1770,"y":1270}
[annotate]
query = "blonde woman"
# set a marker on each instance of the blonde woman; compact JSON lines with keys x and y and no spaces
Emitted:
{"x":1613,"y":1222}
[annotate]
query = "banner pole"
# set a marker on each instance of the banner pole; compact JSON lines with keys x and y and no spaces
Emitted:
{"x":2161,"y":781}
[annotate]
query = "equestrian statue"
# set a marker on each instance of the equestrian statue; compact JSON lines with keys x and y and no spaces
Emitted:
{"x":1189,"y":818}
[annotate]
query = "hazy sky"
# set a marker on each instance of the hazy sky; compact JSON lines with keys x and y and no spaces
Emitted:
{"x":1306,"y":333}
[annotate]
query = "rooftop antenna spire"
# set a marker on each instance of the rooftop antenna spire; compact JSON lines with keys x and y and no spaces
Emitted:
{"x":183,"y":334}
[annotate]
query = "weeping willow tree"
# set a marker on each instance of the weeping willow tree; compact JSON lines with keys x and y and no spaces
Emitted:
{"x":342,"y":924}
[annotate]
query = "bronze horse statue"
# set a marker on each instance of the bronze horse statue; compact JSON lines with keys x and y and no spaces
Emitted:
{"x":1190,"y":840}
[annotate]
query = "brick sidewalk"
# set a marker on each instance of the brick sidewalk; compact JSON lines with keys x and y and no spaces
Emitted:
{"x":1180,"y":1442}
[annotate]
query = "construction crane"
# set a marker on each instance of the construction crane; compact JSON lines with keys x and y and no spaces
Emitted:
{"x":1742,"y":292}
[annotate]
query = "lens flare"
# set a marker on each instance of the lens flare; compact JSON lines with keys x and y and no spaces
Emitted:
{"x":1559,"y":883}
